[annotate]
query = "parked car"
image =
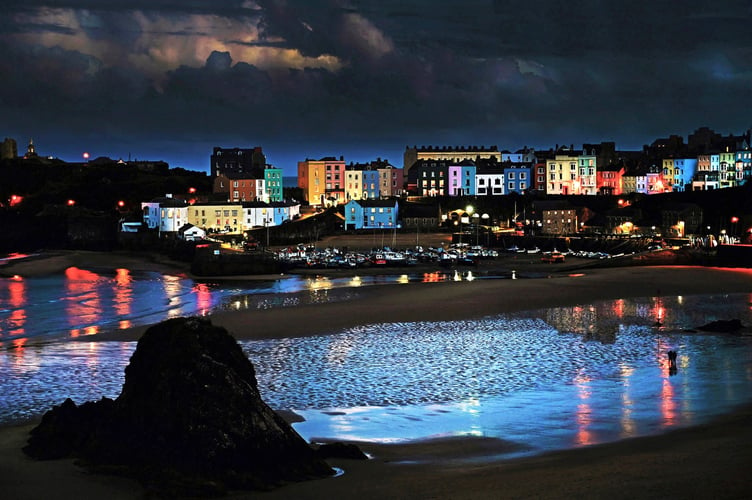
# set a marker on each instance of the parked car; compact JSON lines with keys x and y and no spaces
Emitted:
{"x":553,"y":257}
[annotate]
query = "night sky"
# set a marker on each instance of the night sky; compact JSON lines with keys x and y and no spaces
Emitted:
{"x":170,"y":79}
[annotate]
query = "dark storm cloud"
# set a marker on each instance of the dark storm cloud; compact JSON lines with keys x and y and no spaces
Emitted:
{"x":213,"y":7}
{"x":506,"y":72}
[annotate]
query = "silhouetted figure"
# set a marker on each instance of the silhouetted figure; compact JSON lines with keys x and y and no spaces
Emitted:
{"x":672,"y":362}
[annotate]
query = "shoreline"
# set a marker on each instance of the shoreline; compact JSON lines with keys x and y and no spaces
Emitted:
{"x":708,"y":460}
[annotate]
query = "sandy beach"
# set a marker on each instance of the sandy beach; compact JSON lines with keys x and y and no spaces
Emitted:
{"x":700,"y":462}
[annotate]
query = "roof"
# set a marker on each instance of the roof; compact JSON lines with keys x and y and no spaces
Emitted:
{"x":375,"y":203}
{"x":166,"y":201}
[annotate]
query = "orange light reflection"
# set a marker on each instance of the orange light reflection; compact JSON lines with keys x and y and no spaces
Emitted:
{"x":123,"y":292}
{"x":17,"y":298}
{"x":431,"y":277}
{"x":83,"y":305}
{"x":584,"y":413}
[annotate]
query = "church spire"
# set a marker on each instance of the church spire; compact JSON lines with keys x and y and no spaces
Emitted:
{"x":30,"y":151}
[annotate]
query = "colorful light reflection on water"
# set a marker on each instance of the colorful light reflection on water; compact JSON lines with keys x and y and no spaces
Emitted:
{"x":558,"y":378}
{"x":83,"y":302}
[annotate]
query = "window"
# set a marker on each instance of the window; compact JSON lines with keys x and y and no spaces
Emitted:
{"x":523,"y":176}
{"x":510,"y":175}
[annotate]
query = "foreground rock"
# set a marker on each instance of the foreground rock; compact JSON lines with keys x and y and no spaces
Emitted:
{"x":189,"y":420}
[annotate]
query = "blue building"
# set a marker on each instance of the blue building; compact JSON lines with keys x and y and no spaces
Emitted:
{"x":517,"y":177}
{"x":684,"y":172}
{"x":370,"y":184}
{"x":371,"y":214}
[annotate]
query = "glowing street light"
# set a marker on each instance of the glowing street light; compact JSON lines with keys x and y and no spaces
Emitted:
{"x":86,"y":156}
{"x":70,"y":203}
{"x":476,"y":219}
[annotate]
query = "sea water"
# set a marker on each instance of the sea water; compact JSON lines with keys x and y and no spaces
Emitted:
{"x":548,"y":379}
{"x":83,"y":302}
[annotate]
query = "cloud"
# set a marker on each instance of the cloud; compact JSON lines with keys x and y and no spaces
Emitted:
{"x":509,"y":72}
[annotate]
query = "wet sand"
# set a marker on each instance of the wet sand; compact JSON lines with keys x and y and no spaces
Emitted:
{"x":701,"y":462}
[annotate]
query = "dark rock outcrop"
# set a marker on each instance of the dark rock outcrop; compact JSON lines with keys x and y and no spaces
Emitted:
{"x":722,"y":326}
{"x":341,"y":450}
{"x":189,"y":420}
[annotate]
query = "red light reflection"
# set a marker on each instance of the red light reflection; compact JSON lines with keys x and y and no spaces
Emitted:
{"x":17,"y":298}
{"x":668,"y":404}
{"x":619,"y":308}
{"x":83,"y":305}
{"x":203,"y":298}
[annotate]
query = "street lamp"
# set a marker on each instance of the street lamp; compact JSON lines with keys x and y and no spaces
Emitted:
{"x":485,"y":218}
{"x":476,"y":218}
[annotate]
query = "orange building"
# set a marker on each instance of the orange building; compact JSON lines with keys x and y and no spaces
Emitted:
{"x":322,"y":181}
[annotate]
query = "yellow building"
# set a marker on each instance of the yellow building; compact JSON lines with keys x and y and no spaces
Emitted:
{"x":217,"y":217}
{"x":354,"y":184}
{"x":562,"y":175}
{"x":727,"y":169}
{"x":669,"y":171}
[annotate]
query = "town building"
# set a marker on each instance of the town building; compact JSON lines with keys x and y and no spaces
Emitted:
{"x":239,"y":187}
{"x":427,"y":178}
{"x":250,"y":161}
{"x":420,"y":216}
{"x":371,"y":214}
{"x":8,"y":149}
{"x":322,"y":181}
{"x":556,"y":217}
{"x":165,"y":214}
{"x":451,"y":154}
{"x":461,"y":179}
{"x":217,"y":217}
{"x":562,"y":172}
{"x":489,"y":179}
{"x":273,"y":184}
{"x":517,"y":177}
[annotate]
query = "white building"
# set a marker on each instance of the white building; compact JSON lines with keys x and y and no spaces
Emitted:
{"x":166,"y":214}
